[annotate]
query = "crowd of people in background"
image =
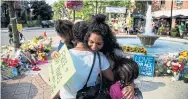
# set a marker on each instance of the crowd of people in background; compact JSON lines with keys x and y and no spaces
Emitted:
{"x":158,"y":28}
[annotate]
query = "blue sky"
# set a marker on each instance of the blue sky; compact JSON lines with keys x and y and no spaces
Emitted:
{"x":50,"y":1}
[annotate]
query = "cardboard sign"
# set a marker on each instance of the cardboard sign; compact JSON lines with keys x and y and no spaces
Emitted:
{"x":60,"y":70}
{"x":146,"y":64}
{"x":19,"y":27}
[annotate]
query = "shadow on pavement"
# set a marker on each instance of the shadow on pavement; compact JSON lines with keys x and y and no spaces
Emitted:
{"x":20,"y":87}
{"x":150,"y":86}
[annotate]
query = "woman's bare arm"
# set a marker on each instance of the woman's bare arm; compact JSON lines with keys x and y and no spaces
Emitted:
{"x":108,"y":74}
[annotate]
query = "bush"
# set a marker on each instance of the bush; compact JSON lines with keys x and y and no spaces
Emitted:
{"x":175,"y":31}
{"x":161,"y":30}
{"x":32,"y":24}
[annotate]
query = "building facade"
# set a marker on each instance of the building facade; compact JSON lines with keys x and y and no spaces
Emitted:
{"x":161,"y":9}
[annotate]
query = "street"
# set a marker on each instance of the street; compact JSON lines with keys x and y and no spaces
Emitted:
{"x":28,"y":34}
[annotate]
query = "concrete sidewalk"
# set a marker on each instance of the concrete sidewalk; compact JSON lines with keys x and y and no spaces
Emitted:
{"x":35,"y":86}
{"x":25,"y":87}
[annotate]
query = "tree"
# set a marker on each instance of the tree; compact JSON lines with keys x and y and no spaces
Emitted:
{"x":89,"y":8}
{"x":42,"y":10}
{"x":16,"y":40}
{"x":58,"y":8}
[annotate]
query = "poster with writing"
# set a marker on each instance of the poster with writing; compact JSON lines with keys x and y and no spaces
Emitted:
{"x":146,"y":64}
{"x":19,"y":27}
{"x":60,"y":70}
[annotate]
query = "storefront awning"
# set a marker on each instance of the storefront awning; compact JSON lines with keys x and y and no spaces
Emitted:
{"x":159,"y":14}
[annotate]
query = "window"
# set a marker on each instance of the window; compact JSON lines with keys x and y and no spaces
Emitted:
{"x":162,"y":3}
{"x":179,"y":2}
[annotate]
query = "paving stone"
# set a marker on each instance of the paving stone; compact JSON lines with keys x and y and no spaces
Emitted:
{"x":21,"y":96}
{"x":24,"y":84}
{"x":45,"y":86}
{"x":40,"y":81}
{"x":27,"y":78}
{"x":22,"y":90}
{"x":3,"y":84}
{"x":8,"y":89}
{"x":8,"y":95}
{"x":41,"y":96}
{"x":11,"y":85}
{"x":47,"y":94}
{"x":34,"y":84}
{"x":35,"y":91}
{"x":18,"y":77}
{"x":13,"y":81}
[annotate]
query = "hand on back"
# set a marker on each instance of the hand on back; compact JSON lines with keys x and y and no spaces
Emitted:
{"x":54,"y":54}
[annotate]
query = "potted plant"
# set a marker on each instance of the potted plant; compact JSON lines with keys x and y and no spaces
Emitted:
{"x":185,"y":79}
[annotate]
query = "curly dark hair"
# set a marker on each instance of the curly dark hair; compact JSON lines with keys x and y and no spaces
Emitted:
{"x":126,"y":71}
{"x":63,"y":27}
{"x":97,"y":25}
{"x":79,"y":31}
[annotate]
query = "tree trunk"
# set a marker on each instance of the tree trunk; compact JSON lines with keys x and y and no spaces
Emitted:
{"x":16,"y":41}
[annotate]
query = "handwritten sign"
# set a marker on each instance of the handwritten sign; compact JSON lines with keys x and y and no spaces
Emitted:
{"x":60,"y":70}
{"x":19,"y":27}
{"x":146,"y":64}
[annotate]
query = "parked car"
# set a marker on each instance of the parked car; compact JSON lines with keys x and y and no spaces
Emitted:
{"x":45,"y":24}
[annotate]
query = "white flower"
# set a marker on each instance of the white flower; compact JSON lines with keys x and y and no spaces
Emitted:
{"x":168,"y":71}
{"x":168,"y":63}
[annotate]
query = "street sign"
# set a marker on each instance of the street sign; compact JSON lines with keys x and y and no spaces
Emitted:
{"x":146,"y":64}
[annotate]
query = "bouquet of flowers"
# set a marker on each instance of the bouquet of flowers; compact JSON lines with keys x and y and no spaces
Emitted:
{"x":174,"y":67}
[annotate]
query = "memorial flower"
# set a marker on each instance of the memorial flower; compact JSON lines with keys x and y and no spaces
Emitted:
{"x":134,"y":49}
{"x":174,"y":67}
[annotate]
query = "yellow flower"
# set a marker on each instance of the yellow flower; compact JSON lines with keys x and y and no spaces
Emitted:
{"x":128,"y":48}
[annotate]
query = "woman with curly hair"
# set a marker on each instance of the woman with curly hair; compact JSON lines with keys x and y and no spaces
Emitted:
{"x":101,"y":38}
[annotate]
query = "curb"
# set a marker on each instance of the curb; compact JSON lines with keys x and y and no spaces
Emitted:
{"x":185,"y":40}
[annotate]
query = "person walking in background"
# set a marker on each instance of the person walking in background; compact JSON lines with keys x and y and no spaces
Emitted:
{"x":21,"y":35}
{"x":181,"y":29}
{"x":10,"y":34}
{"x":156,"y":27}
{"x":125,"y":27}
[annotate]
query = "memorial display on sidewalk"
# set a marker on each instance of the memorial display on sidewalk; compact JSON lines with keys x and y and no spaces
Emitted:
{"x":173,"y":64}
{"x":28,"y":57}
{"x":61,"y":70}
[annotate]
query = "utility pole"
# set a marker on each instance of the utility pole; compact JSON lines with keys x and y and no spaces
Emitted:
{"x":74,"y":15}
{"x":16,"y":41}
{"x":171,"y":16}
{"x":96,"y":6}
